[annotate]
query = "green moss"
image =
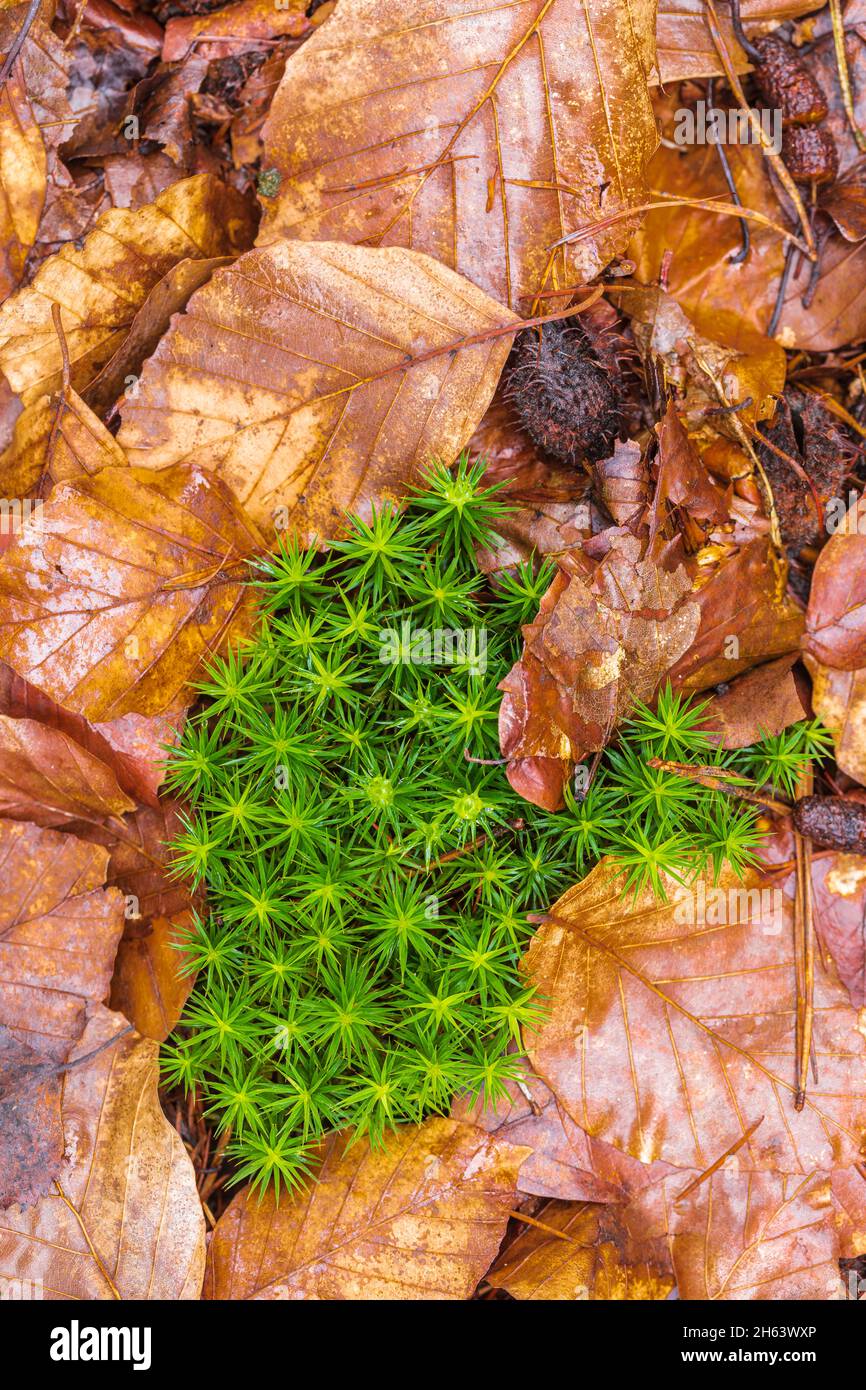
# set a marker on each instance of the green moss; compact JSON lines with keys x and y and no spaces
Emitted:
{"x":369,"y":870}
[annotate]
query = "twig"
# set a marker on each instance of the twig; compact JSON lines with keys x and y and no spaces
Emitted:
{"x":740,"y":34}
{"x":550,"y":1230}
{"x":736,"y":257}
{"x":716,"y":780}
{"x":18,"y":42}
{"x":844,"y":75}
{"x":804,"y":947}
{"x":714,"y":1167}
{"x":797,"y":468}
{"x":775,"y":161}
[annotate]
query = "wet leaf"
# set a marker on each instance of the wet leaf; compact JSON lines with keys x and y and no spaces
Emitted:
{"x":160,"y":588}
{"x":420,"y":1219}
{"x":481,"y":140}
{"x":671,"y":1027}
{"x":753,"y":1236}
{"x":834,"y":645}
{"x":605,"y":636}
{"x":100,"y":287}
{"x":49,"y":778}
{"x":590,"y":1263}
{"x":124,"y":1220}
{"x":59,"y":931}
{"x":334,"y":401}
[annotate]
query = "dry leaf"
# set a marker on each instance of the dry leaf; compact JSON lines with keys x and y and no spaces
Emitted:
{"x":159,"y":559}
{"x":124,"y":1220}
{"x":333,"y":402}
{"x":479,"y":139}
{"x":591,"y":1263}
{"x":759,"y":703}
{"x":58,"y":935}
{"x":671,"y":1027}
{"x":31,"y":1128}
{"x":419,"y":1219}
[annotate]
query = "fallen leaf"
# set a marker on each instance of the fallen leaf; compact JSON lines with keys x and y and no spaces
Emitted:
{"x":834,"y":644}
{"x":335,"y":399}
{"x":124,"y":1220}
{"x":31,"y":1129}
{"x":605,"y":636}
{"x":565,"y":1163}
{"x":35,"y":117}
{"x":419,"y":1219}
{"x":481,"y":141}
{"x":168,"y":296}
{"x":746,"y":615}
{"x":759,"y":703}
{"x":100,"y":287}
{"x":232,"y":29}
{"x":133,"y":747}
{"x":590,"y":1263}
{"x":685,"y":44}
{"x":50,"y":779}
{"x":754,"y":1236}
{"x":160,"y":589}
{"x":148,"y":985}
{"x":670,"y":1027}
{"x":59,"y":931}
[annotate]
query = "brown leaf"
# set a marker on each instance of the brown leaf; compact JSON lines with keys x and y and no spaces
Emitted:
{"x":54,"y":439}
{"x":670,"y":1027}
{"x":565,"y":1163}
{"x":752,"y":1236}
{"x":124,"y":1219}
{"x":233,"y":29}
{"x":759,"y":703}
{"x":100,"y":287}
{"x":546,"y":500}
{"x":168,"y":296}
{"x":35,"y":117}
{"x":604,"y":638}
{"x":50,"y":779}
{"x":479,"y":140}
{"x":683,"y":480}
{"x":834,"y":645}
{"x":31,"y":1129}
{"x":133,"y":747}
{"x":332,"y":401}
{"x":128,"y":582}
{"x":419,"y":1219}
{"x":685,"y":45}
{"x":592,"y":1263}
{"x":58,"y":935}
{"x":746,"y":616}
{"x":148,"y":985}
{"x":838,"y":904}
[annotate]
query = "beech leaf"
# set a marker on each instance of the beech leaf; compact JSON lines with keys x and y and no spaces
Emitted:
{"x":671,"y":1027}
{"x":419,"y":1219}
{"x":129,"y":579}
{"x":303,"y":376}
{"x":123,"y":1220}
{"x":482,"y":138}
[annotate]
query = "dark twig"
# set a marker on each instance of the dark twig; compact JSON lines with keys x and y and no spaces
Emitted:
{"x":736,"y":257}
{"x":740,"y":34}
{"x":18,"y":42}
